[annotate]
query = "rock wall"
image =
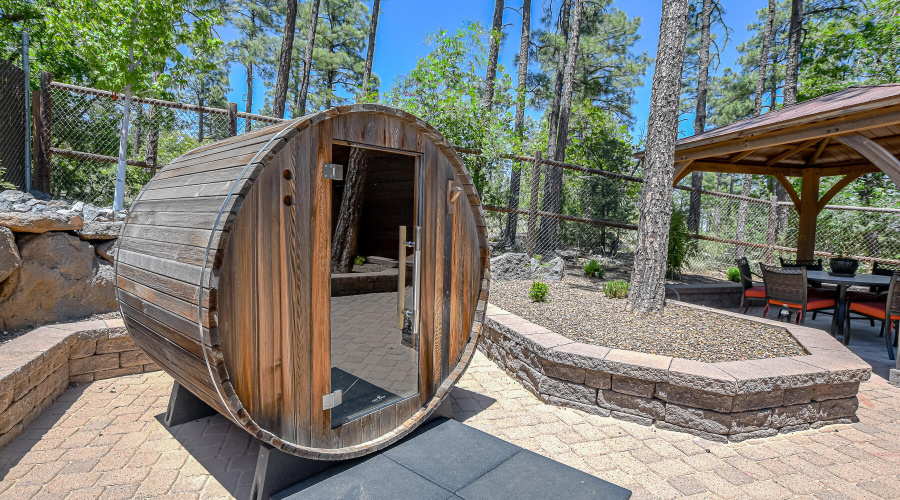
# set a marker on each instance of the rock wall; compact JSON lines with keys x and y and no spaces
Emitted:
{"x":39,"y":366}
{"x":729,"y":401}
{"x":55,"y":260}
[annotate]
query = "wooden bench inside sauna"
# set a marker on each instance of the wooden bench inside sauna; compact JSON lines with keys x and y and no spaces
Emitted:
{"x":233,"y":271}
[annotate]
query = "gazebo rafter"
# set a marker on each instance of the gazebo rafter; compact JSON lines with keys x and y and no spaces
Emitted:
{"x":848,"y":133}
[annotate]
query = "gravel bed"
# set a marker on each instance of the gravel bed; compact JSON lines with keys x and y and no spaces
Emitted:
{"x":6,"y":336}
{"x":578,"y":309}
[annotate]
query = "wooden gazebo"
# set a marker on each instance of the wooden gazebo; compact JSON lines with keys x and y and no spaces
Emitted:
{"x":848,"y":133}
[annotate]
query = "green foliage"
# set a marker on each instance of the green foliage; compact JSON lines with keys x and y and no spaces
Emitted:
{"x":616,"y":289}
{"x":734,"y":274}
{"x":445,"y":89}
{"x":593,"y":267}
{"x":851,"y":48}
{"x":539,"y":291}
{"x":88,"y":42}
{"x":678,"y":244}
{"x":607,"y":71}
{"x":359,"y":260}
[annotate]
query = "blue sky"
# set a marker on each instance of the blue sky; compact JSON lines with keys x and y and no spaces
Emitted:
{"x":404,"y":24}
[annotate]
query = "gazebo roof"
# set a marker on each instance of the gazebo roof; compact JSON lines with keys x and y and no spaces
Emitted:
{"x":853,"y":131}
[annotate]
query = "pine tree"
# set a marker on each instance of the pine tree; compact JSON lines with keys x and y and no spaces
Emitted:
{"x":255,"y":22}
{"x":516,"y":173}
{"x":648,"y":278}
{"x":284,"y":58}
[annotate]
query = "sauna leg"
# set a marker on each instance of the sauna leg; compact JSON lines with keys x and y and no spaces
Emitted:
{"x":277,"y":471}
{"x":185,"y":407}
{"x":443,"y":411}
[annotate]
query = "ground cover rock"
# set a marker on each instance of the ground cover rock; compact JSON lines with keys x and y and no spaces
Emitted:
{"x":39,"y":222}
{"x":519,"y":266}
{"x":60,"y":278}
{"x":106,"y":250}
{"x":9,"y":253}
{"x":101,"y":230}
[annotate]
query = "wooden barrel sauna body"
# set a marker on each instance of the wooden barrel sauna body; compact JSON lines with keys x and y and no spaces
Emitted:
{"x":224,"y":278}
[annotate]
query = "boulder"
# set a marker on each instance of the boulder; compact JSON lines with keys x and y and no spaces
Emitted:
{"x":100,"y":230}
{"x":510,"y":266}
{"x":519,"y":266}
{"x":13,"y":196}
{"x":106,"y":250}
{"x":39,"y":222}
{"x":9,"y":253}
{"x":60,"y":278}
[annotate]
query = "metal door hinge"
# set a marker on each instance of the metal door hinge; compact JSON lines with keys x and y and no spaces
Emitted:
{"x":329,"y":401}
{"x":333,"y":171}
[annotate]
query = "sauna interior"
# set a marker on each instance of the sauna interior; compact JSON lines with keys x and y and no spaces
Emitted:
{"x":374,"y":356}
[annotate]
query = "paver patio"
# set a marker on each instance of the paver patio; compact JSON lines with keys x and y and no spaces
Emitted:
{"x":105,"y":440}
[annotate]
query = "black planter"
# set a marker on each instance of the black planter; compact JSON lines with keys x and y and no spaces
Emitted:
{"x":844,"y":266}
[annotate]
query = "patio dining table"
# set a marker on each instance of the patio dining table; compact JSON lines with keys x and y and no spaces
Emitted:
{"x":843,"y":282}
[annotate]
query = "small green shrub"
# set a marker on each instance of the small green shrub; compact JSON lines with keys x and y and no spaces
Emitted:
{"x":594,"y":267}
{"x":678,"y":245}
{"x":616,"y":289}
{"x":359,"y":260}
{"x":538,"y":292}
{"x":734,"y":274}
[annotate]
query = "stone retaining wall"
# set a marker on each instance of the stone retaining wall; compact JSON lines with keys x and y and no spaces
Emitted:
{"x":719,"y":295}
{"x":730,"y":401}
{"x":37,"y":367}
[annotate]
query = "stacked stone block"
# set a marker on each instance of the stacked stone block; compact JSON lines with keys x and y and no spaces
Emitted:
{"x":730,"y":401}
{"x":37,"y":367}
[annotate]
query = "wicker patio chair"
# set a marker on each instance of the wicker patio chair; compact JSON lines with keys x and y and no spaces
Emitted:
{"x":888,"y":312}
{"x":874,"y":294}
{"x":787,"y":289}
{"x":816,"y":289}
{"x":751,"y":292}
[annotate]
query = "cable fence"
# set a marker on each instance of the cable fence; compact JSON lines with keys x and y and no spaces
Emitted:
{"x":85,"y":126}
{"x":561,"y":207}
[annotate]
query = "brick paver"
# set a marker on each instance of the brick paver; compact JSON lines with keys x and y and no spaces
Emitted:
{"x":105,"y":440}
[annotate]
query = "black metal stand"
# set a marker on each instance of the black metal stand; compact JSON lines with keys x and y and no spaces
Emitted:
{"x":185,"y":407}
{"x":277,"y":471}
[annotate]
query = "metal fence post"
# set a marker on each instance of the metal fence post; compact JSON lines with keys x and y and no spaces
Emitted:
{"x":770,"y":230}
{"x":232,"y":119}
{"x":42,"y":113}
{"x":26,"y":67}
{"x":532,"y":205}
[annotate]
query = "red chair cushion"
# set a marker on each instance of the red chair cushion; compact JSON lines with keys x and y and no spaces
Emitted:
{"x":812,"y":303}
{"x":875,"y":309}
{"x":756,"y":291}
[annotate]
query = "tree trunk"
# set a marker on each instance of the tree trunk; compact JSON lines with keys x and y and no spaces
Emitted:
{"x":152,"y":139}
{"x":346,"y":231}
{"x":370,"y":51}
{"x":764,"y":59}
{"x":249,"y":103}
{"x":516,"y":174}
{"x":284,"y":61}
{"x":558,"y":85}
{"x":200,"y":131}
{"x":549,"y":232}
{"x":700,"y":111}
{"x":648,"y":278}
{"x":307,"y":61}
{"x":138,"y":127}
{"x":792,"y":66}
{"x":747,"y":183}
{"x":487,"y":95}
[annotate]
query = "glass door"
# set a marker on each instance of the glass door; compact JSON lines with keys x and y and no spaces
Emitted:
{"x":374,"y":271}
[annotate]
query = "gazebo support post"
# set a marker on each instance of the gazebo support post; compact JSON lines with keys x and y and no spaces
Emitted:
{"x":809,"y":212}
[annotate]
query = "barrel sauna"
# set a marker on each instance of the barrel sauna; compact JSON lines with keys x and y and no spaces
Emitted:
{"x":231,"y":275}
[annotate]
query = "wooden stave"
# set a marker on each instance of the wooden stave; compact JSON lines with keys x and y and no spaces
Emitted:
{"x":220,"y":384}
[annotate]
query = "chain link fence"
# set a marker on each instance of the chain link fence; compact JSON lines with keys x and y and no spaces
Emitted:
{"x":567,"y":207}
{"x":85,"y":130}
{"x":12,"y":125}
